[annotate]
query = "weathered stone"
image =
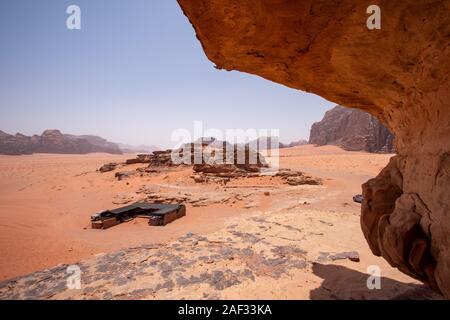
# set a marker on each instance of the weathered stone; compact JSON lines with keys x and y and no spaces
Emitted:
{"x":108,"y":167}
{"x":399,"y":74}
{"x":296,"y":178}
{"x":124,"y":175}
{"x":141,"y":158}
{"x":242,"y":162}
{"x":352,"y":256}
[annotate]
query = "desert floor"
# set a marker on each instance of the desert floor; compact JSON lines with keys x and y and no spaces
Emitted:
{"x":253,"y":238}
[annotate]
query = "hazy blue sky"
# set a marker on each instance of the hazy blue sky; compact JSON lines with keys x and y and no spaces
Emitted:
{"x":132,"y":74}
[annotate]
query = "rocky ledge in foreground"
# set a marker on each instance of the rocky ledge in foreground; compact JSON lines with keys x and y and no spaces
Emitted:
{"x":241,"y":260}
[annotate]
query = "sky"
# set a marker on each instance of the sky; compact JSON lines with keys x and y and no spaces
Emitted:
{"x":134,"y":73}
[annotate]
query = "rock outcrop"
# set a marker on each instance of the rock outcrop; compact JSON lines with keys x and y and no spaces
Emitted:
{"x":53,"y":141}
{"x":223,"y":161}
{"x":352,"y":130}
{"x":399,"y":74}
{"x":156,"y":158}
{"x":108,"y":167}
{"x":241,"y":159}
{"x":297,"y":178}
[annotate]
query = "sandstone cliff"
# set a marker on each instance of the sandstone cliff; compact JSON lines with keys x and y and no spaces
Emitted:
{"x":53,"y":141}
{"x":352,"y":130}
{"x":399,"y":74}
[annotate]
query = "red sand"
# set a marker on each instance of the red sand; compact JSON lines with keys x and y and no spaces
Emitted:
{"x":46,"y":202}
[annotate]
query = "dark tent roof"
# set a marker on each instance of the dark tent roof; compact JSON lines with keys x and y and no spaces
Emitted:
{"x":153,"y":208}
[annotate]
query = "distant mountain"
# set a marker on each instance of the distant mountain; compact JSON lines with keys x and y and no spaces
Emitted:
{"x":265,"y":143}
{"x":53,"y":141}
{"x":297,"y":143}
{"x":96,"y":141}
{"x":126,"y":148}
{"x":353,"y":130}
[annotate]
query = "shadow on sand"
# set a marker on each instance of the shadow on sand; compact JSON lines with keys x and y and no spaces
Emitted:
{"x":341,"y":283}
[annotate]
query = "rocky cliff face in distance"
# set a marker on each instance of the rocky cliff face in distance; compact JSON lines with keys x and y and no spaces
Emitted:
{"x":352,"y":130}
{"x":53,"y":141}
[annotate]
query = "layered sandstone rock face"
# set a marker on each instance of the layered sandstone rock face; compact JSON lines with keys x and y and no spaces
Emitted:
{"x":399,"y":74}
{"x":353,"y":130}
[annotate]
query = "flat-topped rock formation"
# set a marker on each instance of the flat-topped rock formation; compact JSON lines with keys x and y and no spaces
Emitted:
{"x":399,"y":74}
{"x":352,"y":130}
{"x":156,"y":158}
{"x":53,"y":141}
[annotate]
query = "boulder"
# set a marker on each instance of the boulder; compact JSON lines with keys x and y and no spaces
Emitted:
{"x":297,"y":178}
{"x":302,"y":180}
{"x":141,"y":158}
{"x":242,"y":161}
{"x":108,"y":167}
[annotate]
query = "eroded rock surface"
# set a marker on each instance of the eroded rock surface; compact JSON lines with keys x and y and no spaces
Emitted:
{"x":246,"y":259}
{"x":353,"y":130}
{"x":399,"y":74}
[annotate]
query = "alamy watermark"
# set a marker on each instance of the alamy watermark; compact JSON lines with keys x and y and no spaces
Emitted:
{"x":374,"y":280}
{"x":74,"y":279}
{"x":73,"y":21}
{"x":374,"y":20}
